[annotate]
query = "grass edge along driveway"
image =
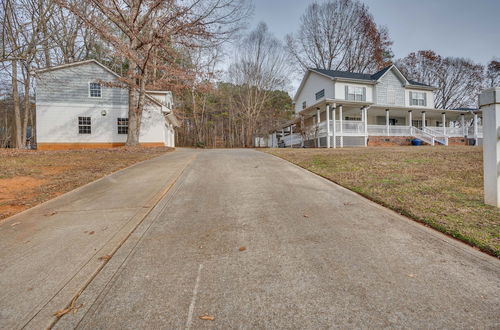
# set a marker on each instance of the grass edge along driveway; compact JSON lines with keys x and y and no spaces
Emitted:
{"x":441,"y":187}
{"x":31,"y":177}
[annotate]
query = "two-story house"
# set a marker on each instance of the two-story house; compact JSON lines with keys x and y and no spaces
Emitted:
{"x":338,"y":108}
{"x":79,"y":105}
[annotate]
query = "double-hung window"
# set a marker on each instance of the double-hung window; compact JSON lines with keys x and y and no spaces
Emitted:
{"x":122,"y":125}
{"x":304,"y":105}
{"x":355,"y":93}
{"x":418,"y":98}
{"x":84,"y":125}
{"x":94,"y":89}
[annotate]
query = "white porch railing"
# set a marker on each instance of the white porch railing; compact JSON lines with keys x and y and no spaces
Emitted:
{"x":438,"y":133}
{"x":422,"y":135}
{"x":293,"y":140}
{"x":384,"y":130}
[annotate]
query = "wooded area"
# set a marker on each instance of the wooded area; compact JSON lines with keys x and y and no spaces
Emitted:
{"x":229,"y":83}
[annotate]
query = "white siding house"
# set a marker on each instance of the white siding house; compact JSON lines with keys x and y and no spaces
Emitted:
{"x":339,"y":108}
{"x":78,"y":107}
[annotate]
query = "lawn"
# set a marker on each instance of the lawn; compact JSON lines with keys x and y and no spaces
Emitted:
{"x":439,"y":186}
{"x":29,"y":177}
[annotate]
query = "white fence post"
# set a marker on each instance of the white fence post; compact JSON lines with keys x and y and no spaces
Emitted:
{"x":341,"y":115}
{"x":318,"y":122}
{"x":328,"y":126}
{"x":334,"y":127}
{"x":489,"y":103}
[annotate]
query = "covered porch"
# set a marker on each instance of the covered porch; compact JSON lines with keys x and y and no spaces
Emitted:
{"x":353,"y":124}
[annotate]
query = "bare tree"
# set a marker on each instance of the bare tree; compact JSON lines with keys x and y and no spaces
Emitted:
{"x":458,"y":80}
{"x":339,"y":35}
{"x":259,"y":68}
{"x":21,"y":39}
{"x":149,"y":34}
{"x":493,"y":74}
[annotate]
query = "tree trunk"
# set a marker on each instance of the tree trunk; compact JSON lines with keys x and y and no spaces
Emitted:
{"x":18,"y":137}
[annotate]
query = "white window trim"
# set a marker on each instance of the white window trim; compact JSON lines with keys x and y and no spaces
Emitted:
{"x":355,"y":90}
{"x":94,"y":97}
{"x":421,"y":97}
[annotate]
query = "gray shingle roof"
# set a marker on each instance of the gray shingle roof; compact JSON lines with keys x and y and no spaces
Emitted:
{"x":362,"y":76}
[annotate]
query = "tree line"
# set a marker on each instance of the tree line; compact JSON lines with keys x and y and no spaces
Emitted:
{"x":229,"y":83}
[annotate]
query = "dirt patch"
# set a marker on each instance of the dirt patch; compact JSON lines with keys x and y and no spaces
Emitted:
{"x":29,"y":177}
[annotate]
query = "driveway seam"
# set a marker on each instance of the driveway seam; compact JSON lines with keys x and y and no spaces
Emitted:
{"x":176,"y":184}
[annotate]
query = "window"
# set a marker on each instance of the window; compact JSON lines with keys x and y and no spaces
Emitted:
{"x":352,"y":118}
{"x":418,"y":98}
{"x":304,"y":105}
{"x":418,"y":123}
{"x":94,"y":89}
{"x":320,"y":94}
{"x":355,"y":93}
{"x":84,"y":126}
{"x":122,"y":125}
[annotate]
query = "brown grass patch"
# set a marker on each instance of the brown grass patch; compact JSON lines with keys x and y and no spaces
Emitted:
{"x":29,"y":177}
{"x":439,"y":186}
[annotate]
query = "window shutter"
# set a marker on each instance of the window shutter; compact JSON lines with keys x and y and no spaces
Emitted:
{"x":364,"y":94}
{"x":425,"y":99}
{"x":411,"y":98}
{"x":347,"y":92}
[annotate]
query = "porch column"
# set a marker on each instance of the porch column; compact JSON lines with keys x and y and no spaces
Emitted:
{"x":475,"y":129}
{"x":410,"y":118}
{"x":387,"y":121}
{"x":328,"y":126}
{"x":318,"y":121}
{"x":290,"y":136}
{"x":489,"y":103}
{"x":364,"y":111}
{"x":341,"y":127}
{"x":444,"y":123}
{"x":283,"y":137}
{"x":334,"y":127}
{"x":423,"y":119}
{"x":462,"y":123}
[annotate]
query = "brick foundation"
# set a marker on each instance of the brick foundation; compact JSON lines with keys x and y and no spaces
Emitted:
{"x":457,"y":141}
{"x":386,"y":141}
{"x":76,"y":146}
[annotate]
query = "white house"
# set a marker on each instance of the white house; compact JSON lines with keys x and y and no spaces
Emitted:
{"x":338,"y":108}
{"x":75,"y":109}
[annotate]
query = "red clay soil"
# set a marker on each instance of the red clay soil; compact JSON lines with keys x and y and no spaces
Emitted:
{"x":29,"y":177}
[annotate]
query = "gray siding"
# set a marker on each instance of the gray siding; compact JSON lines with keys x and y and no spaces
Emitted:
{"x":71,"y":85}
{"x":390,"y":83}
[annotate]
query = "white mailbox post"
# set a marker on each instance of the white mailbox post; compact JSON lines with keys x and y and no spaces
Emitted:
{"x":489,"y":103}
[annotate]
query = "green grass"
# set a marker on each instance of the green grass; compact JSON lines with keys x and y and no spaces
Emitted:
{"x":439,"y":186}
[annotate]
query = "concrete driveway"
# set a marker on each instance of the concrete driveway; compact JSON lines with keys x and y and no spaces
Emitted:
{"x":251,"y":241}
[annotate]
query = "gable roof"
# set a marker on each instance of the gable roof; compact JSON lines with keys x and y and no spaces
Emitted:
{"x":372,"y":78}
{"x":69,"y":65}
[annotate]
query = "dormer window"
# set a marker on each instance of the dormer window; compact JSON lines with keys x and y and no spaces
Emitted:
{"x":418,"y":98}
{"x":94,"y":89}
{"x":355,"y":93}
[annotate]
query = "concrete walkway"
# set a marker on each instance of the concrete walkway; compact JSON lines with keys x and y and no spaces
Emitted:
{"x":248,"y":239}
{"x":314,"y":256}
{"x":50,"y":252}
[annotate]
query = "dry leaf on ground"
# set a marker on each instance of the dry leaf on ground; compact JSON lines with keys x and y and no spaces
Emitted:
{"x":242,"y":248}
{"x":106,"y":257}
{"x":207,"y":317}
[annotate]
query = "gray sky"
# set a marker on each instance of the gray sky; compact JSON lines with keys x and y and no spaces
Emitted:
{"x":459,"y":28}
